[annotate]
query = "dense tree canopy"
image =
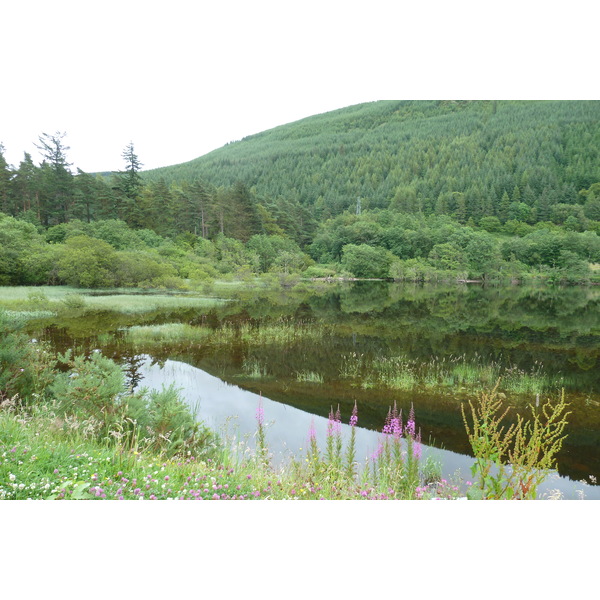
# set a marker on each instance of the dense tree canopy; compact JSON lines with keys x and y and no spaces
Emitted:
{"x":409,"y":190}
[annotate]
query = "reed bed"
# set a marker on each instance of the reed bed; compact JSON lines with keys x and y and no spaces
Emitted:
{"x":144,"y":335}
{"x":472,"y":374}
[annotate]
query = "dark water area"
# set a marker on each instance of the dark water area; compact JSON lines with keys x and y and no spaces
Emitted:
{"x":376,"y":344}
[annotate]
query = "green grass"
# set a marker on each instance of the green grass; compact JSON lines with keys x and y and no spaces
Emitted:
{"x":458,"y":372}
{"x":309,"y":377}
{"x":254,"y":369}
{"x":166,"y":333}
{"x":41,"y":458}
{"x":60,"y":298}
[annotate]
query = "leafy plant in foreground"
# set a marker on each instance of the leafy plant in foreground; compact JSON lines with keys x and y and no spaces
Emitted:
{"x":511,"y":462}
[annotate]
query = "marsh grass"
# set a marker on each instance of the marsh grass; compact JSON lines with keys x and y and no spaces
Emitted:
{"x":469,"y":375}
{"x":59,"y":298}
{"x":254,"y":369}
{"x":281,"y":333}
{"x":166,"y":333}
{"x":309,"y":377}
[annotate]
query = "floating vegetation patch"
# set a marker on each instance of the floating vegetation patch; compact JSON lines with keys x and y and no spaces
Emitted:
{"x":142,"y":335}
{"x":281,"y":332}
{"x":138,"y":303}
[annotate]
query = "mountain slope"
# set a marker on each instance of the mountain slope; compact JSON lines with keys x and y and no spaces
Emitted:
{"x":425,"y":156}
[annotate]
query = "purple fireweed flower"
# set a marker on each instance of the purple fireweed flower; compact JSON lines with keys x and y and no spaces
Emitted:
{"x":410,"y":424}
{"x":377,"y":452}
{"x":330,"y":423}
{"x":396,"y":424}
{"x":260,"y":412}
{"x":312,"y":434}
{"x":337,"y":422}
{"x":417,"y":446}
{"x":387,"y":426}
{"x":354,"y":417}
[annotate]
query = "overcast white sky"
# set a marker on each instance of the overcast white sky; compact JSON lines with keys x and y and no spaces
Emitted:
{"x":181,"y":78}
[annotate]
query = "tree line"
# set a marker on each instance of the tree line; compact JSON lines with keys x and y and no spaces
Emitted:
{"x":130,"y":227}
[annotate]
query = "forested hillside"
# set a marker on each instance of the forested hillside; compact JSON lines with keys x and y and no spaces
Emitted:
{"x":411,"y":190}
{"x":464,"y":159}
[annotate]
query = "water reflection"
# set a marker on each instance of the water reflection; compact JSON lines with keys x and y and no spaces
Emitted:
{"x":220,"y":404}
{"x":426,"y":345}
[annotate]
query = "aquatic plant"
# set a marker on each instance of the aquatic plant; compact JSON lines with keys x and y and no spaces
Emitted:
{"x":470,"y":374}
{"x":254,"y":369}
{"x":309,"y":377}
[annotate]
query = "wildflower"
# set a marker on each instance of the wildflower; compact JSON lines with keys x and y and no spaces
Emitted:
{"x":417,"y":446}
{"x":387,"y":426}
{"x":396,"y":423}
{"x":330,"y":423}
{"x":410,"y":425}
{"x":11,"y":476}
{"x":354,"y":417}
{"x":260,"y":412}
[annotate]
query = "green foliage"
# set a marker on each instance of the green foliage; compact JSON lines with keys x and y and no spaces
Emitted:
{"x":511,"y":461}
{"x":463,"y":190}
{"x":74,"y":301}
{"x":91,"y":389}
{"x":26,"y":366}
{"x":92,"y":398}
{"x":427,"y":157}
{"x":366,"y":261}
{"x":87,"y":262}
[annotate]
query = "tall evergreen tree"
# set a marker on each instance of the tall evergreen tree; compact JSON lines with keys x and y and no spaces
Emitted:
{"x":57,"y":179}
{"x":5,"y":178}
{"x":129,"y":184}
{"x":25,"y":187}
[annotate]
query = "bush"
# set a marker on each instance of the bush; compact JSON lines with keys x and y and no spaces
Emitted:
{"x":366,"y":261}
{"x":87,"y":262}
{"x":26,"y":366}
{"x":91,"y":388}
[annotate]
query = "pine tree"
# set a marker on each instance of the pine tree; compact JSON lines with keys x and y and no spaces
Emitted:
{"x":129,"y":184}
{"x":5,"y":187}
{"x":25,"y":186}
{"x":57,"y":180}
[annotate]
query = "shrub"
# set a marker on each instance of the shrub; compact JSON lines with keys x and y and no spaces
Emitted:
{"x":512,"y":461}
{"x":26,"y":366}
{"x":366,"y":261}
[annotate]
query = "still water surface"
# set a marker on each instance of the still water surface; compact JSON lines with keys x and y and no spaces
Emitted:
{"x":429,"y":347}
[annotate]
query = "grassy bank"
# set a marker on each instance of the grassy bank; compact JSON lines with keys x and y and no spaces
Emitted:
{"x":48,"y":300}
{"x":41,"y":459}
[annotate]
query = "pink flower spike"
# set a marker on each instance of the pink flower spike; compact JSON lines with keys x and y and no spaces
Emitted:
{"x":260,"y":413}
